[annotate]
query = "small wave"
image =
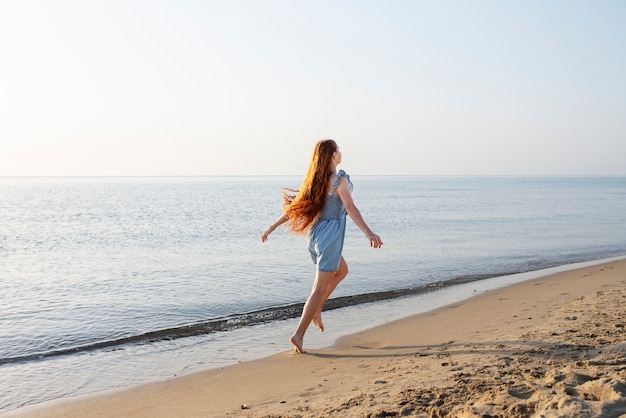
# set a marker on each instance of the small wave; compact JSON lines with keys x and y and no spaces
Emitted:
{"x":236,"y":321}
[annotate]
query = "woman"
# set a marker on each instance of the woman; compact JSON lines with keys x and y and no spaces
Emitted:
{"x":319,"y":209}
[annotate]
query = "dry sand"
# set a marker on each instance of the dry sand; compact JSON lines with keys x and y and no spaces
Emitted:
{"x":550,"y":347}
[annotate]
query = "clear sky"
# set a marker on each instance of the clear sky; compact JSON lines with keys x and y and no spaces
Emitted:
{"x":154,"y":87}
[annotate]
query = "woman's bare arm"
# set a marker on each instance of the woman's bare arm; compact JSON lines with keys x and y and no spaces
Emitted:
{"x":278,"y":222}
{"x":346,"y":198}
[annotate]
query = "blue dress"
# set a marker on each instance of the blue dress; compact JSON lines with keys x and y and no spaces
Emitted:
{"x":327,"y":234}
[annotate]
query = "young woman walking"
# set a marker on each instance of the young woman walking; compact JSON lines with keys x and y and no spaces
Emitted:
{"x":319,"y":210}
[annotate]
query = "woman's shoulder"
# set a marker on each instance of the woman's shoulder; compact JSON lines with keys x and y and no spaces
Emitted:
{"x":342,"y":173}
{"x":335,"y":177}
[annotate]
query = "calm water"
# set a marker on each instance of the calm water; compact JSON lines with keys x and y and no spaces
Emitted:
{"x":102,"y":271}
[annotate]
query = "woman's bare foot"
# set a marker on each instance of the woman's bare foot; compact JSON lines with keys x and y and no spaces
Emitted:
{"x":297,"y":344}
{"x":317,"y":320}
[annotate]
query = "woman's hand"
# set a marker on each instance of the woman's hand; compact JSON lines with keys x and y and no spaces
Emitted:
{"x":278,"y":222}
{"x":375,"y":241}
{"x":266,"y":233}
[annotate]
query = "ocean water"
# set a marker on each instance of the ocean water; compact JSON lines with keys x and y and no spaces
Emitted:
{"x":108,"y":282}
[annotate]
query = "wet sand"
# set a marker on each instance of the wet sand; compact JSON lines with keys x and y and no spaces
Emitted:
{"x":549,"y":347}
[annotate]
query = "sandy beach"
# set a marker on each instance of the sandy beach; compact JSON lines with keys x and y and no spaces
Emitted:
{"x":549,"y":347}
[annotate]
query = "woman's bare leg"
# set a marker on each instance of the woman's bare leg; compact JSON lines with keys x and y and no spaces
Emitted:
{"x":338,"y":277}
{"x":324,"y":285}
{"x":323,"y":280}
{"x":317,"y":321}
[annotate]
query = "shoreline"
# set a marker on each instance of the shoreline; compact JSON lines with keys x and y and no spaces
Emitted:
{"x":73,"y":376}
{"x":273,"y":314}
{"x":405,"y":359}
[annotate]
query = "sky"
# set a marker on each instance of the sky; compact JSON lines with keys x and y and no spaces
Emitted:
{"x":247,"y":87}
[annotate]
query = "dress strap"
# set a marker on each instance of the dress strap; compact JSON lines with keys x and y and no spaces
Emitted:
{"x":340,"y":174}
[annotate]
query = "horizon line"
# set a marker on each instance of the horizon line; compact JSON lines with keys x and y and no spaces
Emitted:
{"x":299,"y":175}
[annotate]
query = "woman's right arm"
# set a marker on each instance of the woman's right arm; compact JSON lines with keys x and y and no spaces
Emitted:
{"x":278,"y":222}
{"x":346,"y":198}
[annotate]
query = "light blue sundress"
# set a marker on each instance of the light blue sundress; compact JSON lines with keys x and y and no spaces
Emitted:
{"x":327,"y":234}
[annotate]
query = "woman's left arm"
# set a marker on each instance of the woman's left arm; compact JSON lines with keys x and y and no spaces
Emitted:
{"x":346,"y":198}
{"x":278,"y":222}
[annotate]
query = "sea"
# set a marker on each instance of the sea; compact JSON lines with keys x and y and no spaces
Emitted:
{"x":108,"y":282}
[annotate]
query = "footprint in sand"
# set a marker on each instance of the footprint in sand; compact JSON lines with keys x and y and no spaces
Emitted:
{"x":521,"y":391}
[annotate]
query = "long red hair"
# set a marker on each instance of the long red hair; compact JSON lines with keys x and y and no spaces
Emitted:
{"x":303,"y":208}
